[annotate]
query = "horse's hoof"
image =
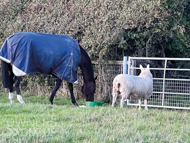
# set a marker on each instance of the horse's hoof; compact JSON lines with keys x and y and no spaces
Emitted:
{"x":19,"y":98}
{"x":51,"y":102}
{"x":75,"y":103}
{"x":11,"y":100}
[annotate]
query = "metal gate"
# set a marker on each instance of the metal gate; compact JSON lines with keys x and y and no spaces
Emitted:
{"x":171,"y":80}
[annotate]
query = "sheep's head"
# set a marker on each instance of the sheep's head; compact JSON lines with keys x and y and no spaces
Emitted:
{"x":145,"y":71}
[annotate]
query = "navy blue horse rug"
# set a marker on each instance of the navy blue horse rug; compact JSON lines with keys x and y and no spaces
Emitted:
{"x":30,"y":52}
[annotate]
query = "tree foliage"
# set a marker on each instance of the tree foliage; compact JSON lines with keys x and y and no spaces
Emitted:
{"x":106,"y":29}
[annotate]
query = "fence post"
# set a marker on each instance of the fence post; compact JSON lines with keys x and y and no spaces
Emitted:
{"x":133,"y":70}
{"x":125,"y":59}
{"x":126,"y":65}
{"x":129,"y":66}
{"x":164,"y":79}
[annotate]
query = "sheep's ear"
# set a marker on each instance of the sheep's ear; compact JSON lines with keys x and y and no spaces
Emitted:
{"x":148,"y":66}
{"x":141,"y":67}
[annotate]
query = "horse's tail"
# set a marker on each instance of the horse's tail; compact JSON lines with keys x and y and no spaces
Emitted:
{"x":7,"y":74}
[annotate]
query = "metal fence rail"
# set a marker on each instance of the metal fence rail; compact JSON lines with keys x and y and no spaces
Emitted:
{"x":171,"y":80}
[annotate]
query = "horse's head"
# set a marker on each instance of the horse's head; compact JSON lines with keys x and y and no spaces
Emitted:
{"x":88,"y":90}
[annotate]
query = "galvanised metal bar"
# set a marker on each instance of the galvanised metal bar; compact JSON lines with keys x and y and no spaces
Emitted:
{"x":176,"y":90}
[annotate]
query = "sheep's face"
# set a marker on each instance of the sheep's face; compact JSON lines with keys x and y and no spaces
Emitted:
{"x":145,"y":71}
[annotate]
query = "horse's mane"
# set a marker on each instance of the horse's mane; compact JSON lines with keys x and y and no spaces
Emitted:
{"x":86,"y":66}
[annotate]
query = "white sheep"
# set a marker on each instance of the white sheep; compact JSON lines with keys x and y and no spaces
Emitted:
{"x":134,"y":87}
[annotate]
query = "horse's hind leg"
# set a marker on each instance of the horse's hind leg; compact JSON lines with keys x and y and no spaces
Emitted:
{"x":70,"y":86}
{"x":17,"y":83}
{"x":11,"y":88}
{"x":7,"y":78}
{"x":58,"y":84}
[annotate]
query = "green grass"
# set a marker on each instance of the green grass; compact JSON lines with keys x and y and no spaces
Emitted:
{"x":34,"y":122}
{"x":29,"y":98}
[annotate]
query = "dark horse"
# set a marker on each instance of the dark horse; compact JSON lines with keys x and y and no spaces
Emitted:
{"x":23,"y":53}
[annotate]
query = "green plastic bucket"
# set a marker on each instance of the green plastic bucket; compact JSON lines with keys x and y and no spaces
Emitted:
{"x":92,"y":104}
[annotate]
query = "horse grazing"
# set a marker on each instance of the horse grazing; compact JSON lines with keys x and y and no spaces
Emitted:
{"x":60,"y":55}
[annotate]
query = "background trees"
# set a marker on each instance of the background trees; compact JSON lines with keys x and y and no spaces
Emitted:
{"x":106,"y":29}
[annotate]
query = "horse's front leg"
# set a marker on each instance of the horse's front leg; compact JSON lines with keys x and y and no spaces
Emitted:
{"x":58,"y":84}
{"x":70,"y":86}
{"x":17,"y":83}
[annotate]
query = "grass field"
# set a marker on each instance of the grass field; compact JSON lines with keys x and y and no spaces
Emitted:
{"x":37,"y":121}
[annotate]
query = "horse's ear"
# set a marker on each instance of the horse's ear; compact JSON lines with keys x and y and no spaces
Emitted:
{"x":95,"y":78}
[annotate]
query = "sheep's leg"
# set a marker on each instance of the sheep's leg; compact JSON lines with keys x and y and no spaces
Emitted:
{"x":114,"y":98}
{"x":139,"y":104}
{"x":122,"y":102}
{"x":128,"y":101}
{"x":145,"y":103}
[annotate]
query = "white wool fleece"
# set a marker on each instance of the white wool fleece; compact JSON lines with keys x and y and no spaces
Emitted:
{"x":137,"y":87}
